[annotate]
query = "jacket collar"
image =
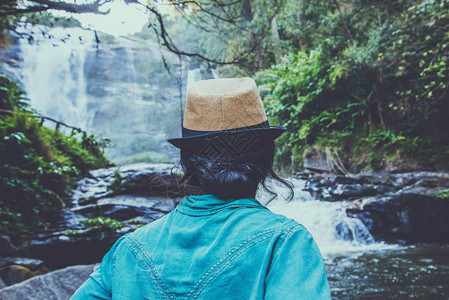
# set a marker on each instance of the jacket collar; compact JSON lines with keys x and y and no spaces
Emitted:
{"x":209,"y":204}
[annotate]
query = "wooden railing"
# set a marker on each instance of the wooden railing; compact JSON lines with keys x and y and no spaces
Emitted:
{"x":43,"y":118}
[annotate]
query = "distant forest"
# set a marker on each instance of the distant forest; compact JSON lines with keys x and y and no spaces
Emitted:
{"x":362,"y":84}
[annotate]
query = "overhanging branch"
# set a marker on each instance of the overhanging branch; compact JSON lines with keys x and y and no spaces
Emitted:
{"x":8,"y":9}
{"x":165,"y":40}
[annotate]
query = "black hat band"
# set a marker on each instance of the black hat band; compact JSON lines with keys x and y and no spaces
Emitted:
{"x":192,"y":133}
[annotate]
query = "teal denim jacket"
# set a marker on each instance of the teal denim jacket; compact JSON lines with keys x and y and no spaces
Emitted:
{"x":209,"y":248}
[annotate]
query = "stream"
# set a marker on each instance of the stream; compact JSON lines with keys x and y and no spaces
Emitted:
{"x":357,"y":266}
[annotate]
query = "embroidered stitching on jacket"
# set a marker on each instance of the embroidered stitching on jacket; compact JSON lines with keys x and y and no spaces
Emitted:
{"x":229,"y":257}
{"x":143,"y":256}
{"x":148,"y":263}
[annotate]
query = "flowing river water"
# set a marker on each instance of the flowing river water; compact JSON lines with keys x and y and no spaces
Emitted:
{"x":61,"y":82}
{"x":357,"y":266}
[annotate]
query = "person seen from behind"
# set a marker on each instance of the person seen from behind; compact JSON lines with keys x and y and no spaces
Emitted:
{"x":220,"y":242}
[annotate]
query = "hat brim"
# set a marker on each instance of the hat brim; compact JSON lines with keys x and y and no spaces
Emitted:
{"x":255,"y":134}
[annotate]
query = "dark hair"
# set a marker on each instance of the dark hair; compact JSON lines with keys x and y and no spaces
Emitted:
{"x":228,"y":176}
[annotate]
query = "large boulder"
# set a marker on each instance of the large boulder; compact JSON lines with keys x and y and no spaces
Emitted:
{"x":413,"y":215}
{"x":18,"y":269}
{"x":14,"y":274}
{"x":62,"y":251}
{"x":135,"y":179}
{"x":35,"y":265}
{"x":78,"y":245}
{"x":316,"y":160}
{"x":339,"y":187}
{"x":125,"y":207}
{"x":57,"y":285}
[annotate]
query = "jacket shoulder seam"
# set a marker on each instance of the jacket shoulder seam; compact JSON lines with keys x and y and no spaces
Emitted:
{"x":286,"y":234}
{"x":114,"y":259}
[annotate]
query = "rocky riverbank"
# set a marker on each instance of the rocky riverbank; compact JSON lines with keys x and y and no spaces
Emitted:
{"x":405,"y":208}
{"x":105,"y":205}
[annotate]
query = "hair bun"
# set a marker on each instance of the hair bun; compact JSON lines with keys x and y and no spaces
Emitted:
{"x":235,"y":178}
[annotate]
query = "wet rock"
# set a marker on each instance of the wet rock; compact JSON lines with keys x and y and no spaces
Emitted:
{"x":118,"y":212}
{"x":29,"y":263}
{"x":379,"y":215}
{"x":336,"y":179}
{"x":397,"y":181}
{"x":350,"y":191}
{"x":142,"y":178}
{"x":339,"y":187}
{"x":125,"y":207}
{"x":62,"y":251}
{"x":412,"y":214}
{"x":394,"y":207}
{"x":335,"y":191}
{"x":384,"y":179}
{"x":316,"y":161}
{"x":69,"y":242}
{"x":60,"y":284}
{"x":6,"y":246}
{"x":14,"y":274}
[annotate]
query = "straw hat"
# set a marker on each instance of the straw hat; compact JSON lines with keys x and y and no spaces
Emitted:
{"x":225,"y":112}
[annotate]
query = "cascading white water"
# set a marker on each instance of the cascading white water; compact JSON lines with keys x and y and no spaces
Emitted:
{"x":215,"y":73}
{"x":334,"y":232}
{"x":53,"y":75}
{"x":195,"y":75}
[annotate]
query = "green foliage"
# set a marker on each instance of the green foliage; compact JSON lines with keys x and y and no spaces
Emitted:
{"x":96,"y":228}
{"x":11,"y":96}
{"x":443,"y":194}
{"x":47,"y":19}
{"x":370,"y":83}
{"x":6,"y":23}
{"x":102,"y":223}
{"x":292,"y":92}
{"x":116,"y":184}
{"x":37,"y":165}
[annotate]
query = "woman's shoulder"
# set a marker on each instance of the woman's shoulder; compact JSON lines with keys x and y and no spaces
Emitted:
{"x":269,"y":220}
{"x":241,"y":223}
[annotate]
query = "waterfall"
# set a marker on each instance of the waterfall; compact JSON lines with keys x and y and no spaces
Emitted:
{"x":117,"y":89}
{"x":215,"y":73}
{"x":53,"y":75}
{"x":197,"y":74}
{"x":334,"y":232}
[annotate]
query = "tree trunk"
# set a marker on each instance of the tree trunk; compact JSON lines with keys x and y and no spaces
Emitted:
{"x":276,"y":41}
{"x":379,"y":101}
{"x":299,"y":11}
{"x":348,"y":32}
{"x":248,"y":13}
